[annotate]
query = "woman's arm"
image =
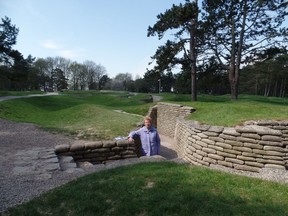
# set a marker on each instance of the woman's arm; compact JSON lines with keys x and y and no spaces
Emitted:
{"x":132,"y":134}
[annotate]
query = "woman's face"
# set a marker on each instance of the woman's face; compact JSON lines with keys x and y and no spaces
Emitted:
{"x":147,"y":124}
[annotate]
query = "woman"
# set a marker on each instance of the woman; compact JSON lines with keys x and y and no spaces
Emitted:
{"x":149,"y":138}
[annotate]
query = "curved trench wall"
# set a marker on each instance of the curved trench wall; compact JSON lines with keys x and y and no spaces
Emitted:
{"x":167,"y":115}
{"x":251,"y":147}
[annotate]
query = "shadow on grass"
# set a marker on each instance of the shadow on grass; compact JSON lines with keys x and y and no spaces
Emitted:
{"x":263,"y":99}
{"x":227,"y":99}
{"x":200,"y":98}
{"x":52,"y":103}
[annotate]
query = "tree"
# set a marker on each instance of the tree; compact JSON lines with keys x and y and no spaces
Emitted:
{"x":42,"y":69}
{"x":94,"y":72}
{"x":267,"y":75}
{"x":99,"y":73}
{"x":20,"y":71}
{"x":61,"y":63}
{"x":183,"y":82}
{"x":212,"y":79}
{"x":167,"y":82}
{"x":151,"y":80}
{"x":75,"y":70}
{"x":8,"y":35}
{"x":121,"y":80}
{"x":83,"y":77}
{"x":90,"y":67}
{"x":5,"y":74}
{"x":142,"y":85}
{"x":104,"y":80}
{"x":235,"y":29}
{"x":184,"y":20}
{"x":59,"y":79}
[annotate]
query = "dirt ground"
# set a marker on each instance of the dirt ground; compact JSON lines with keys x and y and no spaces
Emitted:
{"x":17,"y":137}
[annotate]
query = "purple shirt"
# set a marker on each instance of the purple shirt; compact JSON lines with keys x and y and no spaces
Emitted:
{"x":150,"y":140}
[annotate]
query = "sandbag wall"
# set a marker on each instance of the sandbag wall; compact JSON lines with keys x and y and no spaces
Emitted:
{"x":97,"y":152}
{"x":167,"y":115}
{"x":248,"y":148}
{"x":251,"y":147}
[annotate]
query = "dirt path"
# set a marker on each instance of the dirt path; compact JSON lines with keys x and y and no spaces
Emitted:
{"x":3,"y":98}
{"x":156,"y":98}
{"x":18,"y":141}
{"x":23,"y":175}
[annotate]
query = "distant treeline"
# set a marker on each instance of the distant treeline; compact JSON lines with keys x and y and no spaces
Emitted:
{"x":266,"y":74}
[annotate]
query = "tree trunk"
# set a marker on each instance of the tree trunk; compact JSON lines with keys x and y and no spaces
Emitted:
{"x":282,"y":88}
{"x":256,"y":86}
{"x":269,"y":88}
{"x":266,"y":85}
{"x":74,"y":85}
{"x":236,"y":54}
{"x":193,"y":55}
{"x":275,"y":89}
{"x":233,"y":84}
{"x":193,"y":84}
{"x":232,"y":66}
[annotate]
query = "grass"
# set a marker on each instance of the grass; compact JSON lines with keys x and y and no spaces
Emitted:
{"x":220,"y":110}
{"x":162,"y":188}
{"x":88,"y":116}
{"x":91,"y":115}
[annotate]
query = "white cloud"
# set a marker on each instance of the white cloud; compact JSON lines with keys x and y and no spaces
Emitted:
{"x":71,"y":53}
{"x":50,"y":44}
{"x":61,"y":50}
{"x":74,"y":54}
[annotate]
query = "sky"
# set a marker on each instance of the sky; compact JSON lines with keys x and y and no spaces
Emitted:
{"x":112,"y":33}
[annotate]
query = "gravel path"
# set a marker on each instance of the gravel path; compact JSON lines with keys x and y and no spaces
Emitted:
{"x":156,"y":98}
{"x":19,"y":138}
{"x":21,"y":178}
{"x":3,"y":98}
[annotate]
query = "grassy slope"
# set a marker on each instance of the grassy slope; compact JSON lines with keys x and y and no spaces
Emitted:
{"x":161,"y":189}
{"x":220,"y":110}
{"x":89,"y":115}
{"x":92,"y":113}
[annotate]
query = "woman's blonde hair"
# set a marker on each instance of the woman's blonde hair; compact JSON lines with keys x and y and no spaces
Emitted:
{"x":148,"y":118}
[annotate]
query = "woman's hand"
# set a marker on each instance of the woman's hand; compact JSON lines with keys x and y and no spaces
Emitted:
{"x":130,"y":139}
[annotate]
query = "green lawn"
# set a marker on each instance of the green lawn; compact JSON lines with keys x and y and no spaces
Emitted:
{"x":162,"y":188}
{"x":220,"y":110}
{"x":89,"y":116}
